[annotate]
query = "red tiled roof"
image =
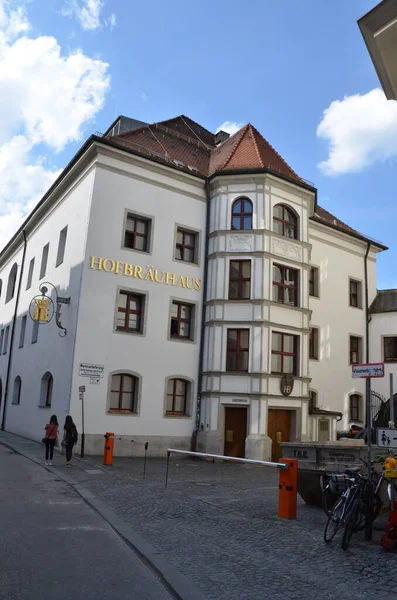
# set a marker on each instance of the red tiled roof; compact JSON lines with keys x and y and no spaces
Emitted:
{"x":323,"y":216}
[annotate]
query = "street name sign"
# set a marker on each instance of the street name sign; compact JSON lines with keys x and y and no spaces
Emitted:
{"x":386,"y":438}
{"x":368,"y":370}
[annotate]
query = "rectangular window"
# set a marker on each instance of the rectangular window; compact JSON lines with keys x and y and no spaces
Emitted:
{"x":313,"y":282}
{"x":284,"y":353}
{"x":186,"y":245}
{"x":30,"y":274}
{"x":312,"y":401}
{"x":355,"y":407}
{"x":177,"y":395}
{"x":355,"y":350}
{"x":61,"y":246}
{"x":23,"y":330}
{"x":1,"y":340}
{"x":5,"y":348}
{"x":182,"y":320}
{"x":240,"y":280}
{"x":123,"y":393}
{"x":285,"y":285}
{"x":390,"y":349}
{"x":130,"y":312}
{"x":313,"y":343}
{"x":137,"y":232}
{"x":237,"y":350}
{"x":355,"y":293}
{"x":35,"y":332}
{"x":44,"y":260}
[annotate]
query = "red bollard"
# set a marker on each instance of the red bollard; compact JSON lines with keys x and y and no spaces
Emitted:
{"x":288,"y":489}
{"x":108,"y":450}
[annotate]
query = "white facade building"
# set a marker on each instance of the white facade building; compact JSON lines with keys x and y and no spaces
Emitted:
{"x":212,"y":304}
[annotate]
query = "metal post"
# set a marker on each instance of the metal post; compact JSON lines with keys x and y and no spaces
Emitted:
{"x":368,"y":520}
{"x":82,"y":427}
{"x":144,"y":460}
{"x":391,"y":424}
{"x":168,"y":463}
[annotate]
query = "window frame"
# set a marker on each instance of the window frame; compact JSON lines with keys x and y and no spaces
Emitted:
{"x":179,"y":320}
{"x":313,"y":400}
{"x":314,"y":338}
{"x":188,"y":390}
{"x":357,"y":294}
{"x":46,"y":389}
{"x":63,"y":234}
{"x":127,"y":311}
{"x":238,"y":350}
{"x":186,"y":231}
{"x":16,"y":397}
{"x":44,"y":260}
{"x":135,"y":394}
{"x":22,"y":331}
{"x":314,"y":282}
{"x":294,"y":354}
{"x":394,"y":341}
{"x":358,"y":408}
{"x":6,"y":338}
{"x":11,"y":283}
{"x":35,"y":332}
{"x":285,"y":286}
{"x":30,"y":273}
{"x":241,"y":280}
{"x":149,"y":220}
{"x":242,"y":214}
{"x":285,"y":222}
{"x":359,"y":349}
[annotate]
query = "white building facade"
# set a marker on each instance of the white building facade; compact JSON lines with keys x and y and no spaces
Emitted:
{"x":209,"y":302}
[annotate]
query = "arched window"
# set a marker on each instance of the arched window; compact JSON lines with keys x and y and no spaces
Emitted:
{"x":123,"y":393}
{"x":285,"y":221}
{"x":242,"y":214}
{"x":355,"y":407}
{"x":12,"y":279}
{"x":47,"y":383}
{"x":178,"y":391}
{"x":16,"y":396}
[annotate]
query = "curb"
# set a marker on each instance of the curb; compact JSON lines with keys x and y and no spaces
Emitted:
{"x":176,"y":583}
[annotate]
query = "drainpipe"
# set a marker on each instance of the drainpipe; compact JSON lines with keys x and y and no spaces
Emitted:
{"x":368,"y":317}
{"x":14,"y":319}
{"x":205,"y":277}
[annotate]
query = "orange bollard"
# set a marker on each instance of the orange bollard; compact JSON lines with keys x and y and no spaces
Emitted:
{"x":288,"y":489}
{"x":108,"y":451}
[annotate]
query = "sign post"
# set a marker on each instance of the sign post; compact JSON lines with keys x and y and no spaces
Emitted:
{"x":391,"y":424}
{"x":81,"y":397}
{"x":368,"y":371}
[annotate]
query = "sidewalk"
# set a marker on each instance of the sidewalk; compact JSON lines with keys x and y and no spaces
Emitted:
{"x":76,"y":477}
{"x":216,"y":525}
{"x":53,"y":545}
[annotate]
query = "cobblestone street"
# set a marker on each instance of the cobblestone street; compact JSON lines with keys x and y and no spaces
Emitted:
{"x":217,"y":523}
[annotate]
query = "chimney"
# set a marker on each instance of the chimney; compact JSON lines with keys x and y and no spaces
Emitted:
{"x":221,"y":137}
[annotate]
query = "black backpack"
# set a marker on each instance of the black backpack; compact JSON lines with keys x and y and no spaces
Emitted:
{"x":74,"y":435}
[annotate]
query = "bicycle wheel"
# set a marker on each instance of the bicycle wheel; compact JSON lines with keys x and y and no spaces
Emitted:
{"x":328,"y":500}
{"x":334,"y":520}
{"x":376,"y":506}
{"x":351,"y":523}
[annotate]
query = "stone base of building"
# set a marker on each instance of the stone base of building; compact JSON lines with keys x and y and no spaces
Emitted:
{"x":258,"y":447}
{"x":157,"y":445}
{"x":210,"y":443}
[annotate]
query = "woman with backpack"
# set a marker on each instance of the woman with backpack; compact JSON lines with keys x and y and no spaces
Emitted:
{"x":51,"y":433}
{"x":70,"y":438}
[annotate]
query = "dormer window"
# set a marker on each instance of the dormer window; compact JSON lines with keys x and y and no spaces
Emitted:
{"x":285,"y":222}
{"x":242,"y":214}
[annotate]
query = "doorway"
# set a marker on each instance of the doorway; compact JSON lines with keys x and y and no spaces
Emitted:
{"x":235,"y":431}
{"x":278,"y":429}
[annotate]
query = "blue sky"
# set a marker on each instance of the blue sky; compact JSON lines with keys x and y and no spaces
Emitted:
{"x":278,"y":65}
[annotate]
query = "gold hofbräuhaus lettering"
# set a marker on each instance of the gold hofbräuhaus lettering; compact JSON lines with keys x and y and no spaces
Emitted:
{"x":119,"y":267}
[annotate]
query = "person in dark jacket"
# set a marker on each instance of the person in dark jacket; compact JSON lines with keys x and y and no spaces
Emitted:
{"x":70,"y":438}
{"x":51,"y":433}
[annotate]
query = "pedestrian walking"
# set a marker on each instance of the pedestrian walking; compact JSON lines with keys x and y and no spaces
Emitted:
{"x":70,"y":438}
{"x":51,"y":434}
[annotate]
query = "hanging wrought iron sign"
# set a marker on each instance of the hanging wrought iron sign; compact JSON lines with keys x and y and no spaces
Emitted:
{"x":42,"y":308}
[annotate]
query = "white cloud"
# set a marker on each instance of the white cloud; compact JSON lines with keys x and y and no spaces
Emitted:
{"x":361,"y":131}
{"x":88,"y":13}
{"x":47,"y":99}
{"x":230,"y":127}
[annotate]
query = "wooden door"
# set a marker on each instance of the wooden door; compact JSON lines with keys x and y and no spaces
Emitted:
{"x":235,"y":431}
{"x":278,"y":429}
